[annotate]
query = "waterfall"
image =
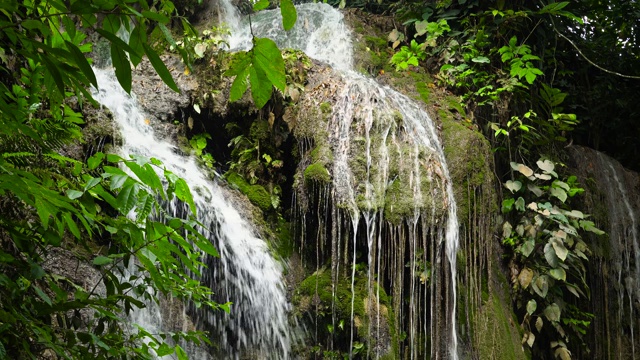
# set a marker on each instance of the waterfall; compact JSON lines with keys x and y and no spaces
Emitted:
{"x":245,"y":273}
{"x":615,"y":202}
{"x":378,"y":139}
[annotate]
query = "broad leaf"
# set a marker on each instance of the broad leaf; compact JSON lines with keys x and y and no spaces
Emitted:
{"x":558,"y":274}
{"x":552,"y":312}
{"x":559,"y":248}
{"x":527,"y":247}
{"x":513,"y":186}
{"x":525,"y":277}
{"x":260,"y":5}
{"x":267,"y":57}
{"x":507,"y":205}
{"x":539,"y":323}
{"x":550,"y":255}
{"x":523,"y":169}
{"x":289,"y":14}
{"x":541,"y":286}
{"x":183,"y":193}
{"x":239,"y":86}
{"x":260,"y":87}
{"x":559,"y":193}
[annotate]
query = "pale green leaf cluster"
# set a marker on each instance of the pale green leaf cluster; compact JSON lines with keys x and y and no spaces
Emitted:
{"x":550,"y":251}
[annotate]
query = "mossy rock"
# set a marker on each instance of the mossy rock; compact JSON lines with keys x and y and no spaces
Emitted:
{"x":469,"y":158}
{"x":314,"y":297}
{"x":316,"y":173}
{"x":257,"y":194}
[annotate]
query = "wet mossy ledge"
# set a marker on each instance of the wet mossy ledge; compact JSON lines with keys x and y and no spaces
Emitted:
{"x":257,"y":194}
{"x":333,"y":306}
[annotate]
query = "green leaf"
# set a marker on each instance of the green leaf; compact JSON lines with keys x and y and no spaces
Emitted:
{"x":541,"y":286}
{"x":525,"y":277}
{"x":261,"y":5}
{"x":95,"y":160}
{"x":559,"y":193}
{"x":507,"y":205}
{"x":81,"y":61}
{"x":72,"y":225}
{"x":558,"y":274}
{"x":552,"y":312}
{"x":550,"y":255}
{"x":559,"y":248}
{"x":527,"y":247}
{"x":42,"y":295}
{"x":239,"y":86}
{"x":127,"y":198}
{"x":520,"y":204}
{"x":481,"y":59}
{"x":74,"y":194}
{"x":123,"y":67}
{"x":182,"y":355}
{"x":289,"y":14}
{"x":136,"y":39}
{"x":532,"y":305}
{"x":268,"y":58}
{"x":117,"y":41}
{"x":163,"y":349}
{"x":155,"y":16}
{"x":54,"y":72}
{"x":160,"y":68}
{"x":261,"y":87}
{"x":183,"y":193}
{"x":102,"y":260}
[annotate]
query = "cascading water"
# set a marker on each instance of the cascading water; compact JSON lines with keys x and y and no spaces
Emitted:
{"x":245,"y":273}
{"x":378,"y":139}
{"x":615,"y":187}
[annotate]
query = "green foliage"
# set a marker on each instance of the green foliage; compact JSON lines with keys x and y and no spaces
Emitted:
{"x":545,"y":236}
{"x":408,"y":55}
{"x":96,"y":207}
{"x":263,"y":65}
{"x":520,"y":59}
{"x":53,"y":204}
{"x":199,"y":143}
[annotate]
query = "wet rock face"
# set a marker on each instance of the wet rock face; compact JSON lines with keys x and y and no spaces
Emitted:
{"x":159,"y":102}
{"x":65,"y":263}
{"x":612,"y":197}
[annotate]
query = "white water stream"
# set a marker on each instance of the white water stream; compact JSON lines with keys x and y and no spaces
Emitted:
{"x":623,"y":234}
{"x":245,"y":273}
{"x":321,"y":33}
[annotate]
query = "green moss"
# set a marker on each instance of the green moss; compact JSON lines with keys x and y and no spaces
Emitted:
{"x":497,"y":339}
{"x":314,"y":297}
{"x":260,"y":130}
{"x":257,"y":194}
{"x":325,"y":107}
{"x":468,"y":157}
{"x":316,"y":172}
{"x":284,"y":240}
